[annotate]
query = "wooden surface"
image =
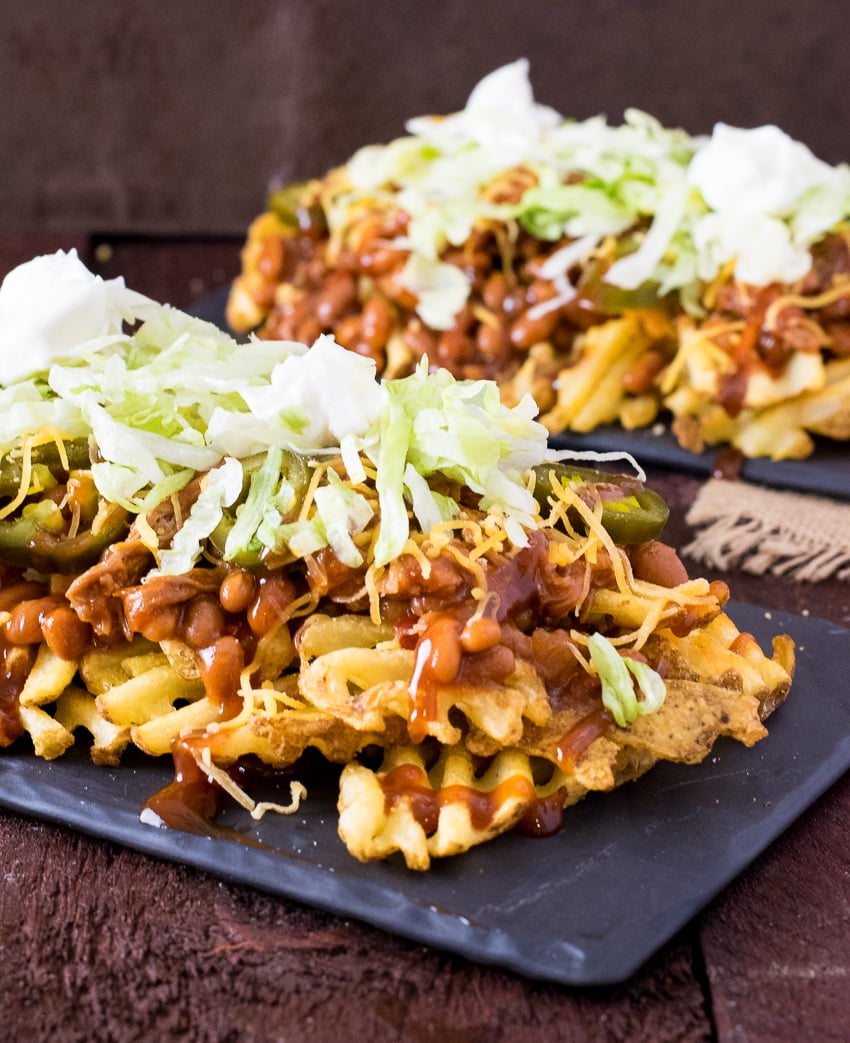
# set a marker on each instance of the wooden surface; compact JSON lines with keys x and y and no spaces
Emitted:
{"x":102,"y":943}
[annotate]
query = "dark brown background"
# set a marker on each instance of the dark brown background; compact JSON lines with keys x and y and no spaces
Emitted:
{"x":177,"y":115}
{"x":146,"y":135}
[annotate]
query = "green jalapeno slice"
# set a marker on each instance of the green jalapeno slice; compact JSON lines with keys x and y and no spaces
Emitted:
{"x":46,"y":459}
{"x":35,"y":539}
{"x":288,"y":205}
{"x":630,"y":512}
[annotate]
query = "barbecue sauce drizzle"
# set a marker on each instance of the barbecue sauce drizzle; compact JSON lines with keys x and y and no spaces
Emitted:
{"x":13,"y":674}
{"x":192,"y":801}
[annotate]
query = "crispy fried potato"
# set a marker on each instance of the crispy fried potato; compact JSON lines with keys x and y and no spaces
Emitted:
{"x":77,"y":708}
{"x":591,"y":391}
{"x":439,"y":813}
{"x":104,"y":668}
{"x":721,"y":684}
{"x":50,"y":738}
{"x":147,"y":695}
{"x":49,"y":677}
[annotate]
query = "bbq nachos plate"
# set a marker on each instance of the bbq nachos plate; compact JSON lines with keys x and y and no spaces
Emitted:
{"x":584,"y":907}
{"x":248,"y":556}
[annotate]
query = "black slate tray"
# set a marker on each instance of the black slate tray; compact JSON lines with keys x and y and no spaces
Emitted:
{"x":825,"y":473}
{"x":585,"y":907}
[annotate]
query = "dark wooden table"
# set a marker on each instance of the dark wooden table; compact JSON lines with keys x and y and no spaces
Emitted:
{"x":103,"y":943}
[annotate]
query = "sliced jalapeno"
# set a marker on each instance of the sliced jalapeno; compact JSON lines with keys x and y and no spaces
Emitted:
{"x":35,"y":538}
{"x":47,"y":456}
{"x":636,"y":515}
{"x":289,"y":207}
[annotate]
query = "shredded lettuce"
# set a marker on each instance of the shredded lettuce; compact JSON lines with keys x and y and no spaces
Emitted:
{"x":223,"y":485}
{"x":249,"y":515}
{"x":439,"y":425}
{"x":344,"y":513}
{"x":441,"y":289}
{"x":178,"y":397}
{"x":618,"y":675}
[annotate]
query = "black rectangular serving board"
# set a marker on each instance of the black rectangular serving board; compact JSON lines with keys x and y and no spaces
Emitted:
{"x":585,"y":907}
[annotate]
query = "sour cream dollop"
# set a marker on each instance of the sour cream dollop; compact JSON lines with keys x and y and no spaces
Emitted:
{"x":325,"y":394}
{"x":758,"y":171}
{"x":769,"y":196}
{"x":52,"y":305}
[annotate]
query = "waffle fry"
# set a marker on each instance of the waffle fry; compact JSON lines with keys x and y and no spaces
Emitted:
{"x":433,"y":813}
{"x":77,"y":708}
{"x":720,"y":684}
{"x":48,"y":678}
{"x":148,"y":694}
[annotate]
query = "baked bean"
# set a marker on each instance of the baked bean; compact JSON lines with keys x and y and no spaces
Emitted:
{"x":530,"y":329}
{"x":24,"y":625}
{"x":313,"y":271}
{"x":378,"y":260}
{"x":495,"y":290}
{"x":720,"y":590}
{"x":493,"y":664}
{"x":270,"y":257}
{"x":26,"y":590}
{"x":274,"y":595}
{"x":391,"y":286}
{"x":544,"y":393}
{"x":539,"y":290}
{"x":641,"y":377}
{"x":365,"y":230}
{"x":513,"y":302}
{"x":445,"y":651}
{"x":161,"y":624}
{"x":202,"y":622}
{"x":308,"y":330}
{"x":347,"y":332}
{"x":493,"y":341}
{"x":65,"y":634}
{"x":656,"y":562}
{"x":838,"y":309}
{"x":583,"y":311}
{"x":839,"y":337}
{"x":236,"y":591}
{"x":744,"y":645}
{"x":420,"y":340}
{"x":375,"y":324}
{"x":453,"y":348}
{"x":295,"y":309}
{"x":473,"y":264}
{"x":465,"y":320}
{"x":221,"y":664}
{"x":480,"y":633}
{"x":337,"y":295}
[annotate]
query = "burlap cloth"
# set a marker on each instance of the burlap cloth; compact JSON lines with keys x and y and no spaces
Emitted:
{"x":760,"y":530}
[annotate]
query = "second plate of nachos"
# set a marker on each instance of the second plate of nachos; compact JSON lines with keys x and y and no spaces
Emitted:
{"x":615,"y":272}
